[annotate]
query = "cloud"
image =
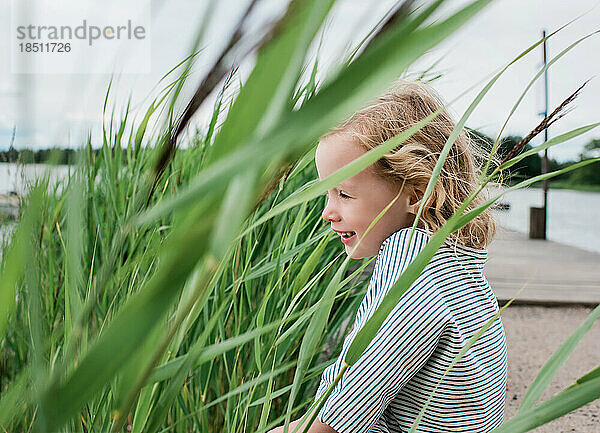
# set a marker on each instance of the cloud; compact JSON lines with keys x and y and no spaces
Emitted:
{"x":5,"y":121}
{"x":81,"y":116}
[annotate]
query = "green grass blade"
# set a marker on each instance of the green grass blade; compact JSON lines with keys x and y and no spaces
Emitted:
{"x":74,"y":253}
{"x":587,"y":377}
{"x":139,"y":135}
{"x":303,"y":162}
{"x":309,"y":265}
{"x":262,"y":101}
{"x":557,"y":406}
{"x":313,"y":335}
{"x":269,"y":88}
{"x":266,"y":409}
{"x":143,"y":409}
{"x":541,"y":177}
{"x":234,"y":209}
{"x":311,"y":374}
{"x":263,"y":377}
{"x":207,"y":353}
{"x":268,"y":267}
{"x":121,"y":339}
{"x":313,"y":411}
{"x":15,"y":399}
{"x":172,"y":389}
{"x":16,"y":256}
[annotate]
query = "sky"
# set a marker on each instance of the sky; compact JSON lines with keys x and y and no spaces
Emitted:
{"x":60,"y":109}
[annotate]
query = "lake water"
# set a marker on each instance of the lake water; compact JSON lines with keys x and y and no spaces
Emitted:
{"x":18,"y":178}
{"x":573,"y":216}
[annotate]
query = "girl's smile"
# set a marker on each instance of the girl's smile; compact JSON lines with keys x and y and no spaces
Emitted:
{"x":346,"y":236}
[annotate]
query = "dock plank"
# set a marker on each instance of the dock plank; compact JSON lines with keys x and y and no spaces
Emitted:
{"x":553,"y":273}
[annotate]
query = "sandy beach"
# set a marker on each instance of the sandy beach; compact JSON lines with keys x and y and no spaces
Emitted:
{"x":533,"y":333}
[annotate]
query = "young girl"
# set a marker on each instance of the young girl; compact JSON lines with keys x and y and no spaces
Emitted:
{"x":451,"y":300}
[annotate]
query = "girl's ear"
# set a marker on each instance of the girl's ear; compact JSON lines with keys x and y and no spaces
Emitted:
{"x":414,"y":201}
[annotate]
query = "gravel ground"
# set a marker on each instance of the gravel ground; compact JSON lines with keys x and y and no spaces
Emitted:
{"x":533,"y":333}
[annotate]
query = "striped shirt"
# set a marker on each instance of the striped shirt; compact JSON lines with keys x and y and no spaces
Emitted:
{"x":446,"y":305}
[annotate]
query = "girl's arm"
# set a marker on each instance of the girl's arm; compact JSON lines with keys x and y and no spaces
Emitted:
{"x":316,"y":427}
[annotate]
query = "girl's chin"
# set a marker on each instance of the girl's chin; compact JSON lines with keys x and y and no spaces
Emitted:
{"x":349,"y":249}
{"x":358,"y":254}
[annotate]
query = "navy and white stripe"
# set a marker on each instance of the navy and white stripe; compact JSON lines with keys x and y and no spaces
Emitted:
{"x":388,"y":386}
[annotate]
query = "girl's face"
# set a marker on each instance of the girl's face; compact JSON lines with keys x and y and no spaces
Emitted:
{"x":353,"y":204}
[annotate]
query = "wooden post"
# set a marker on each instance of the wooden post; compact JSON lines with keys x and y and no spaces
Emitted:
{"x":545,"y":159}
{"x":538,"y":215}
{"x":537,"y":223}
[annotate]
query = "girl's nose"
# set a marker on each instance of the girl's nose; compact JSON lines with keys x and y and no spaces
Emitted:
{"x":329,"y":214}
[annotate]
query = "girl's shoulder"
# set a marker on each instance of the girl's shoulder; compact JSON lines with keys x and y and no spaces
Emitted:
{"x":398,"y":243}
{"x":402,"y":247}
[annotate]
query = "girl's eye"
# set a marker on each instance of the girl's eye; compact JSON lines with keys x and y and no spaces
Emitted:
{"x":343,"y":195}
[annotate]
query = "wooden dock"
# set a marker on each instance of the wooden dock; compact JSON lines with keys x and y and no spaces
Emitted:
{"x":552,"y":272}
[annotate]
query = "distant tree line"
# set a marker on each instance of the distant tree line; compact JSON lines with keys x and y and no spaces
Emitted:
{"x":41,"y":156}
{"x":531,"y":166}
{"x":55,"y":155}
{"x":524,"y":169}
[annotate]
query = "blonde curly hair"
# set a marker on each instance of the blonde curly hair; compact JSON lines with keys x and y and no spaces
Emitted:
{"x":411,"y":164}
